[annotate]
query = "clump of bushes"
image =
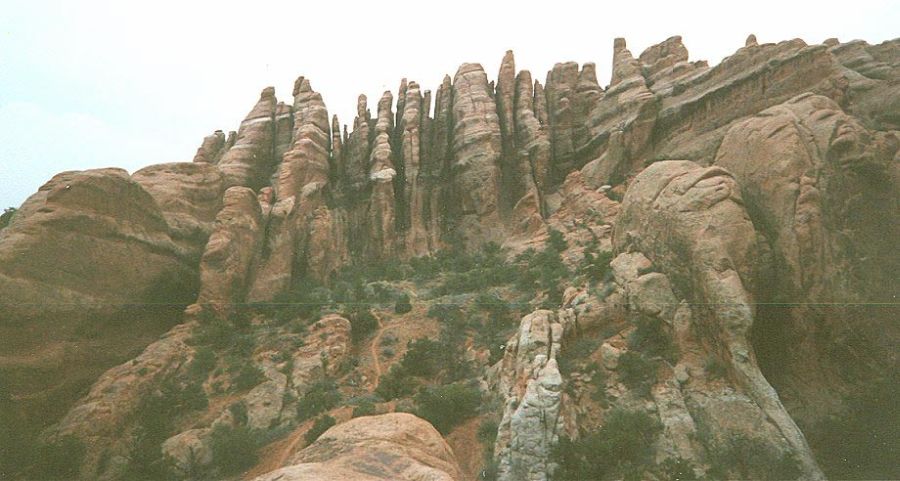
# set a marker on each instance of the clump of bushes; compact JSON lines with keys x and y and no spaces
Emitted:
{"x":623,"y":444}
{"x":637,"y":372}
{"x":449,"y":405}
{"x":362,"y":322}
{"x":403,"y":304}
{"x":58,"y":459}
{"x":6,"y":216}
{"x":595,"y":264}
{"x":396,"y":383}
{"x":423,"y":357}
{"x":744,"y":457}
{"x":322,"y":424}
{"x":248,"y":376}
{"x":320,"y":397}
{"x":233,"y":448}
{"x":650,"y":336}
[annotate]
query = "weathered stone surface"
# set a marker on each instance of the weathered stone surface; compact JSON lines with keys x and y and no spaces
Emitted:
{"x":475,"y":170}
{"x":249,"y":161}
{"x":212,"y":148}
{"x":531,"y":386}
{"x":387,"y":447}
{"x":691,"y":223}
{"x":189,"y":196}
{"x":78,"y":257}
{"x":817,"y":183}
{"x":226,"y":264}
{"x":382,"y":236}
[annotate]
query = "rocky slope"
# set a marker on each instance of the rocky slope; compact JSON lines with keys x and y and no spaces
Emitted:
{"x":689,"y":273}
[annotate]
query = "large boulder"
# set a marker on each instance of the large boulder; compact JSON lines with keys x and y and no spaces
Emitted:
{"x":394,"y":446}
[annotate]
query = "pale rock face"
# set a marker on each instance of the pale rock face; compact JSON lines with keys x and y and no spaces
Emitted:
{"x":530,"y":382}
{"x":395,"y":446}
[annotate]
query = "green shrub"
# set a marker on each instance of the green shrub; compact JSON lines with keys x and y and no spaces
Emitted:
{"x":652,"y":338}
{"x":863,"y":442}
{"x":6,"y":216}
{"x":233,"y":448}
{"x":322,"y":424}
{"x":364,"y":408}
{"x":487,"y":431}
{"x":623,"y":443}
{"x":396,"y":383}
{"x":403,"y":304}
{"x":319,"y":398}
{"x":362,"y":322}
{"x":637,"y":372}
{"x":447,"y":406}
{"x":575,"y":353}
{"x":154,"y":424}
{"x":752,"y":458}
{"x":677,"y":469}
{"x":248,"y":376}
{"x":423,"y":357}
{"x":59,"y":459}
{"x":204,"y":361}
{"x":595,"y":263}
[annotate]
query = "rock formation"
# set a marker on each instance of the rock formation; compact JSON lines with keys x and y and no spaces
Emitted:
{"x":725,"y":247}
{"x":391,"y":446}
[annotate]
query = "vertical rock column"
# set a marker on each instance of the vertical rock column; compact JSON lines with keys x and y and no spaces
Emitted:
{"x":414,"y":188}
{"x":249,"y":161}
{"x":475,"y":170}
{"x":382,"y":227}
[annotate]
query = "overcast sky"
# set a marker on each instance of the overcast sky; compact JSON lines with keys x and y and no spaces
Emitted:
{"x":95,"y":84}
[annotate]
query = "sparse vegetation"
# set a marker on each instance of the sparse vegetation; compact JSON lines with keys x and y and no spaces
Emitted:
{"x":233,"y":449}
{"x":319,"y":398}
{"x":637,"y":372}
{"x":447,"y":406}
{"x":715,"y":368}
{"x":322,"y":424}
{"x":623,"y":444}
{"x":6,"y":216}
{"x":743,"y":457}
{"x":58,"y":459}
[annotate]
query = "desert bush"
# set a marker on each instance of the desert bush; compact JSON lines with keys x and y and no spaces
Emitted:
{"x":6,"y":216}
{"x":248,"y":376}
{"x":595,"y":263}
{"x":637,"y":372}
{"x":396,"y":383}
{"x":752,"y":458}
{"x":449,"y":405}
{"x":319,"y":398}
{"x":322,"y":424}
{"x":403,"y":304}
{"x":233,"y":448}
{"x":362,"y":322}
{"x":58,"y":459}
{"x":624,"y":443}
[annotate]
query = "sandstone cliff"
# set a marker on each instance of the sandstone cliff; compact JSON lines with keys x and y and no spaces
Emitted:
{"x":690,"y":272}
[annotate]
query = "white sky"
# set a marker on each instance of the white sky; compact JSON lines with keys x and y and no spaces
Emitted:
{"x":116,"y":83}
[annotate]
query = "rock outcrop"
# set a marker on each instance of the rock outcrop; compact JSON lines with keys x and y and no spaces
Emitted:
{"x":763,"y":260}
{"x":386,"y":447}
